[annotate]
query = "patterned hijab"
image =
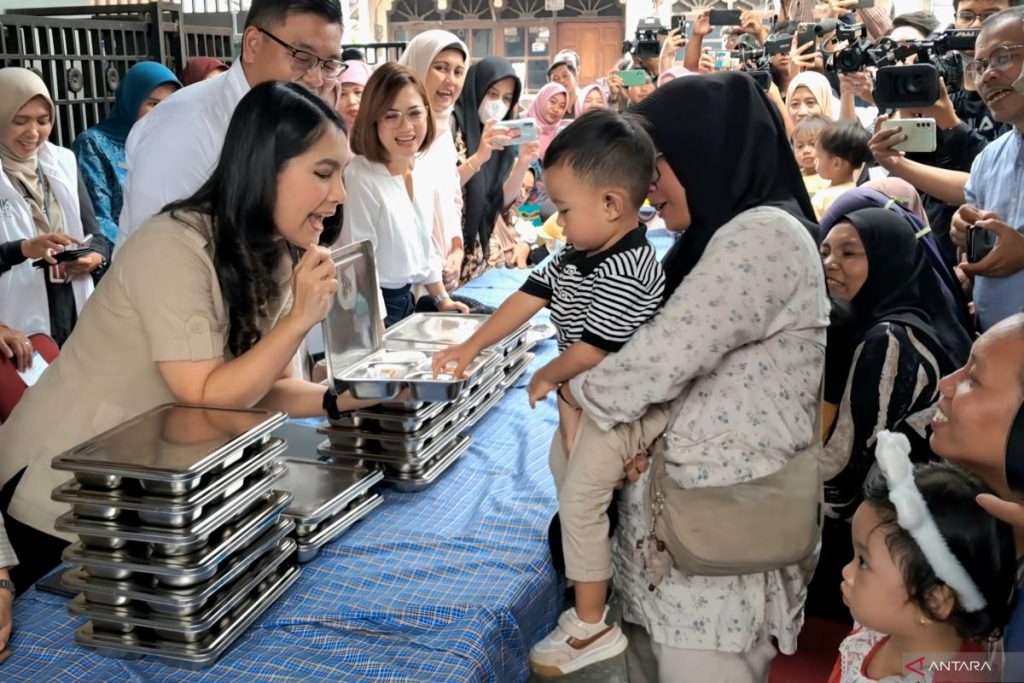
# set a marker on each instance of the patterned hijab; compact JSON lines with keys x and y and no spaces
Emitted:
{"x":18,"y":87}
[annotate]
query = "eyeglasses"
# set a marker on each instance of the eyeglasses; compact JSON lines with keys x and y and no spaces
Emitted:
{"x":307,"y":61}
{"x":393,"y":119}
{"x":967,"y":17}
{"x":1000,"y":60}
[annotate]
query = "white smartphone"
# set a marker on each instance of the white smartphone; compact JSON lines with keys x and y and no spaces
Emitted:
{"x":520,"y":130}
{"x":920,"y":134}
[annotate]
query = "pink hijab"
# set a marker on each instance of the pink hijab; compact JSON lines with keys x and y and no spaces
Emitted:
{"x":547,"y":130}
{"x":583,"y":95}
{"x":673,"y":73}
{"x":903,"y":192}
{"x":357,"y":72}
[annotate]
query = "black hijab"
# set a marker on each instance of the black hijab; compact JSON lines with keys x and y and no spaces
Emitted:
{"x":728,"y":147}
{"x":484,"y":194}
{"x":901,"y":287}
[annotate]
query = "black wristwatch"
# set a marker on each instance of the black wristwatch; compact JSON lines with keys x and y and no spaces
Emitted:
{"x":331,"y":404}
{"x":7,"y":584}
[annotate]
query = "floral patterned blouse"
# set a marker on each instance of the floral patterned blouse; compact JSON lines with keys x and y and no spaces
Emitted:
{"x":739,"y":351}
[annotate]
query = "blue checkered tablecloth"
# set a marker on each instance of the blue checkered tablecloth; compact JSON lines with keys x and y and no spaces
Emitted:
{"x":449,"y":584}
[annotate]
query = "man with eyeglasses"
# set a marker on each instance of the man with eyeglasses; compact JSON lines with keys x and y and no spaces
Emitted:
{"x":172,"y":151}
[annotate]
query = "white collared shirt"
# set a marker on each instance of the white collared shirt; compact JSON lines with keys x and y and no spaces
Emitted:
{"x":378,"y":208}
{"x":173,"y":150}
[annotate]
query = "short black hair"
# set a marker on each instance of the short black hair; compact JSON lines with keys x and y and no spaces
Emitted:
{"x":983,"y":544}
{"x":847,"y":141}
{"x":351,"y":54}
{"x":1012,"y":3}
{"x":275,"y":12}
{"x":604,"y":147}
{"x":924,"y":23}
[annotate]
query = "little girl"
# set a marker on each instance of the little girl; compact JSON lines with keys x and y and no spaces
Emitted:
{"x":931,"y":575}
{"x":841,"y":151}
{"x":389,"y":202}
{"x":805,"y":149}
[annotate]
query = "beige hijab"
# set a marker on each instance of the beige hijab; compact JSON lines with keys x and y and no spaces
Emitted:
{"x":17,"y":87}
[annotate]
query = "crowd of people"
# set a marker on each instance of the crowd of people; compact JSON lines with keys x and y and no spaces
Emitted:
{"x":817,"y":301}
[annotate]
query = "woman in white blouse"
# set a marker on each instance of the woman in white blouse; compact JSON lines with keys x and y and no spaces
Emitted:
{"x":391,"y":196}
{"x":737,"y":351}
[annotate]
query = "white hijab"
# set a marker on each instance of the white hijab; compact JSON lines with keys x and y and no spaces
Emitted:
{"x":441,"y":159}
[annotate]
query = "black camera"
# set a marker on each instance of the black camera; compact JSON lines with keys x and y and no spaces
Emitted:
{"x":961,"y":40}
{"x":778,"y":45}
{"x":762,"y":77}
{"x":645,"y":44}
{"x":906,"y":86}
{"x":980,"y":243}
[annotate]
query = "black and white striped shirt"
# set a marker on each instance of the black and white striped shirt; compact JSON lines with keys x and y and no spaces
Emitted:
{"x":601,"y":299}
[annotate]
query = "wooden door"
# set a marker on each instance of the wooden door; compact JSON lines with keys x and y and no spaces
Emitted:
{"x":598,"y":43}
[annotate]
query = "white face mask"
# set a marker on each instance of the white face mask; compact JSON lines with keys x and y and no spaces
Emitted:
{"x":492,"y":109}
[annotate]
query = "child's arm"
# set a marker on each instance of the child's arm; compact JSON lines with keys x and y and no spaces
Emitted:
{"x":516,"y":310}
{"x":578,"y":358}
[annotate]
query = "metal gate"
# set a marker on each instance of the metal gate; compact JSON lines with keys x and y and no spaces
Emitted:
{"x":83,"y":60}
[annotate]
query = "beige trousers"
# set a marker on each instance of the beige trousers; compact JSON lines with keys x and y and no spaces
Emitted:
{"x":585,"y":482}
{"x":649,"y":662}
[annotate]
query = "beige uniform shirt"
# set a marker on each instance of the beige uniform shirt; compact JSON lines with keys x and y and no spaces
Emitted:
{"x":160,"y":301}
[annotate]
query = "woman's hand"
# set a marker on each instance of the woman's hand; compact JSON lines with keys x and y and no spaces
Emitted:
{"x":452,"y":270}
{"x":616,"y":89}
{"x":882,"y":143}
{"x":17,"y":347}
{"x":802,"y":58}
{"x":40,"y":247}
{"x":860,"y":84}
{"x":674,"y":42}
{"x":707,"y":63}
{"x":750,"y":22}
{"x":452,"y":306}
{"x":6,"y":612}
{"x":493,"y":137}
{"x":313,"y":286}
{"x":84,"y":265}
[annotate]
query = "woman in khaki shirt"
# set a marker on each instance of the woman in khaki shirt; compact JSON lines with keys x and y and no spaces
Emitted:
{"x":202,"y":305}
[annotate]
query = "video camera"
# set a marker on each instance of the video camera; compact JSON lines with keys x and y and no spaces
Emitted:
{"x":645,"y":43}
{"x":899,"y":85}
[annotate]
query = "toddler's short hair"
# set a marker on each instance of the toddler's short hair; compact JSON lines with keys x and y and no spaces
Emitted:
{"x":604,"y":147}
{"x":847,"y":141}
{"x":812,"y":126}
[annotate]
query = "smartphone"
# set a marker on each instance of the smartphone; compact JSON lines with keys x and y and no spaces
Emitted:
{"x":679,"y":22}
{"x":724,"y":61}
{"x":520,"y":130}
{"x":979,"y":243}
{"x":64,"y":256}
{"x":724,"y":17}
{"x":920,"y":134}
{"x":634,"y":77}
{"x":805,"y":34}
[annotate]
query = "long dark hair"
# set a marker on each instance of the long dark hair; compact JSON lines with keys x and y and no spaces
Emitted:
{"x":274,"y":123}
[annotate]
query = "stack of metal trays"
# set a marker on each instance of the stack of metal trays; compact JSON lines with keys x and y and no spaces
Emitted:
{"x":182,"y":538}
{"x":416,"y":433}
{"x":327,"y":500}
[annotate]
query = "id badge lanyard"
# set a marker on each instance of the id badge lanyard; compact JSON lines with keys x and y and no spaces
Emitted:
{"x":55,"y":273}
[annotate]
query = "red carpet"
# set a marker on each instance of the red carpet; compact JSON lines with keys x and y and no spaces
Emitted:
{"x":816,"y":653}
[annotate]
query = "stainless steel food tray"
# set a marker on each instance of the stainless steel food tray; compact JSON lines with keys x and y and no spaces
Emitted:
{"x":417,"y":481}
{"x":512,"y":374}
{"x":397,"y":443}
{"x":319,"y":491}
{"x":196,"y":655}
{"x":392,"y":421}
{"x":448,"y":329}
{"x":409,"y":461}
{"x":309,"y":546}
{"x":168,"y":449}
{"x":189,"y":628}
{"x":414,"y":377}
{"x":181,"y":571}
{"x":475,"y":413}
{"x":162,"y":510}
{"x":147,"y":591}
{"x":168,"y":540}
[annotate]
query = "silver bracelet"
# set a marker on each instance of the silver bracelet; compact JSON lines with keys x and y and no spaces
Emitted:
{"x":441,"y":298}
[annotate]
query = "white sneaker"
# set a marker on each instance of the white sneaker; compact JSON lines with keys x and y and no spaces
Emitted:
{"x":575,"y":644}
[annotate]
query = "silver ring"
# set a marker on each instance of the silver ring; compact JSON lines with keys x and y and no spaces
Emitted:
{"x":28,"y":343}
